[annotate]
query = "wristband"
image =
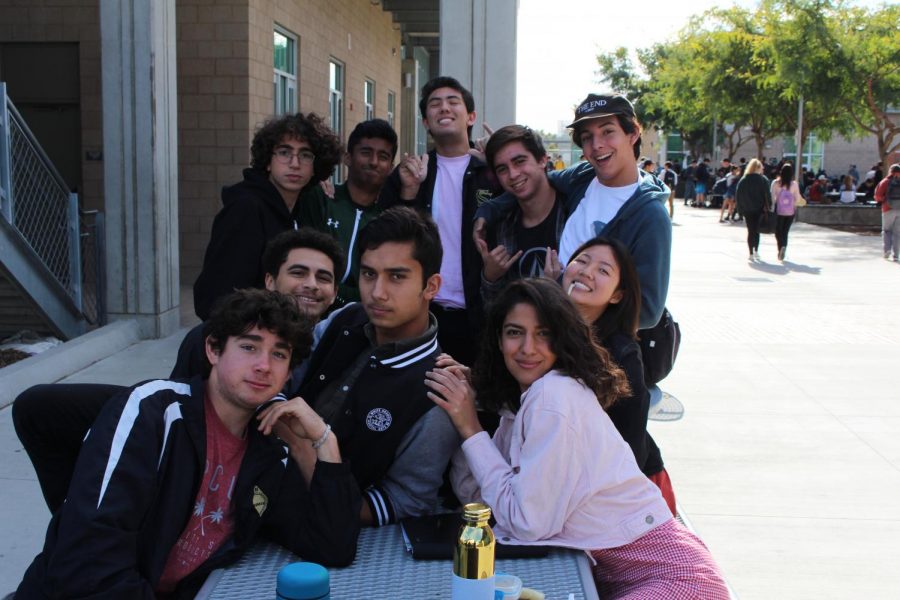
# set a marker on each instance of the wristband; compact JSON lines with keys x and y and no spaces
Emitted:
{"x":318,"y":443}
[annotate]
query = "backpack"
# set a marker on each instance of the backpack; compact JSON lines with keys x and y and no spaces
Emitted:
{"x":669,"y":178}
{"x":720,"y":187}
{"x":784,"y":202}
{"x":659,"y":348}
{"x":893,"y":192}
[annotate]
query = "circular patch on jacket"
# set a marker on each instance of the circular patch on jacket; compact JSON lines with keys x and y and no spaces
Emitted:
{"x":379,"y":419}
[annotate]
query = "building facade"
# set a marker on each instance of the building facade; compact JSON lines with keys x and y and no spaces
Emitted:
{"x":148,"y":107}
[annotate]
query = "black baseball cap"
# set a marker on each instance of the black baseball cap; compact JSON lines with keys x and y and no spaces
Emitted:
{"x":596,"y":106}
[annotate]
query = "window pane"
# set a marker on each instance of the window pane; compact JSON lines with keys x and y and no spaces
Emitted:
{"x":280,"y":45}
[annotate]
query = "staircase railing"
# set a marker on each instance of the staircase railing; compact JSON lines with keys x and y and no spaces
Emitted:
{"x":36,"y":201}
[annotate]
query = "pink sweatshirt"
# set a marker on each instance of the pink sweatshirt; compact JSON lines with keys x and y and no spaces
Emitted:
{"x":558,"y":473}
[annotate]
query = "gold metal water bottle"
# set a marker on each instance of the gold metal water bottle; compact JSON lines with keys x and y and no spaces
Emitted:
{"x":473,"y":558}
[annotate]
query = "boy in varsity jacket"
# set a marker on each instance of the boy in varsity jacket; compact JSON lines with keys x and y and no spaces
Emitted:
{"x":177,"y":478}
{"x":366,"y":377}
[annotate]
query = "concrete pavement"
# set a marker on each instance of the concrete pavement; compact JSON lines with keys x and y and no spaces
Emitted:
{"x":787,"y":460}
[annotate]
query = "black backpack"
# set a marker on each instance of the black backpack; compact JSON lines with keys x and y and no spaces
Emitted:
{"x":659,"y":348}
{"x":669,"y":178}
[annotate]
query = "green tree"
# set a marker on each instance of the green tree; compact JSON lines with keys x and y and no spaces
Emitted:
{"x":800,"y":40}
{"x":732,"y":79}
{"x":869,"y":60}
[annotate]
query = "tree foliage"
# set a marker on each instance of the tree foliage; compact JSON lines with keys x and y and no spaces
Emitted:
{"x":747,"y":71}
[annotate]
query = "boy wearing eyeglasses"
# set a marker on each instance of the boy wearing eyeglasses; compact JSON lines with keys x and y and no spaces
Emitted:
{"x":288,"y":154}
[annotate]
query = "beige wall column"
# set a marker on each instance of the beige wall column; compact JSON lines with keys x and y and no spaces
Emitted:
{"x":140,"y":162}
{"x":478,"y":47}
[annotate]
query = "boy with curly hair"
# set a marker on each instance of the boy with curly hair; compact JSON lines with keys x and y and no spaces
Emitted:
{"x":177,"y":478}
{"x":288,"y":154}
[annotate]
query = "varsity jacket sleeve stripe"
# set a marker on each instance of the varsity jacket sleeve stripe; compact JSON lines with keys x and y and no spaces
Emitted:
{"x":92,"y":547}
{"x":126,"y":424}
{"x":410,"y":487}
{"x":380,"y":506}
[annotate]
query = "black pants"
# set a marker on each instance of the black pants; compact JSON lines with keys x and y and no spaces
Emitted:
{"x":753,"y":220}
{"x":456,"y":335}
{"x":782,"y":227}
{"x":51,"y":422}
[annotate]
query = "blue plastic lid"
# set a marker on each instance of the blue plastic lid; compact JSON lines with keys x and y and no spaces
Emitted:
{"x":303,"y":581}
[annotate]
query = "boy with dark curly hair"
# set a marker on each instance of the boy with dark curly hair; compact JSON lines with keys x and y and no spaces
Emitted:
{"x":177,"y":478}
{"x":288,"y":154}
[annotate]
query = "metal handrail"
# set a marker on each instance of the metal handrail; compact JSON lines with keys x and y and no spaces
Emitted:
{"x":37,"y":202}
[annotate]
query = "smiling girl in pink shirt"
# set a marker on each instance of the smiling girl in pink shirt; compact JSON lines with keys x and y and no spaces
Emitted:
{"x":557,"y":472}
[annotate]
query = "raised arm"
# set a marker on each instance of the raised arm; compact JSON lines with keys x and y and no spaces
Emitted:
{"x":317,"y":511}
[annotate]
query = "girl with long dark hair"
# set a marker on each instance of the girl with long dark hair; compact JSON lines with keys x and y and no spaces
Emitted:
{"x":602,"y":283}
{"x":786,"y":195}
{"x":556,"y":471}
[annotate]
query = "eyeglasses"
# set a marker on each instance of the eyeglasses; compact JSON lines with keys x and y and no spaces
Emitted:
{"x":285,"y":155}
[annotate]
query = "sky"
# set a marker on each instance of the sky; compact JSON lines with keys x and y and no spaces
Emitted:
{"x":558,"y":41}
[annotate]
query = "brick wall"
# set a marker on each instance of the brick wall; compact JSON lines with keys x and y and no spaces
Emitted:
{"x":225,"y":72}
{"x":213,"y":108}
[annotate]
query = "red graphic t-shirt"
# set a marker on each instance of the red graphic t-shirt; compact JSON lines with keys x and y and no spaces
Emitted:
{"x":212,"y":521}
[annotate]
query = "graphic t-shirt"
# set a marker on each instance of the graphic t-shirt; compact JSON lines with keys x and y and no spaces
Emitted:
{"x":212,"y":521}
{"x":598,"y":207}
{"x":533,"y":241}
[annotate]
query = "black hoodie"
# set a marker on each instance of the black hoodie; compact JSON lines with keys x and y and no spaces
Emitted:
{"x":253,"y":212}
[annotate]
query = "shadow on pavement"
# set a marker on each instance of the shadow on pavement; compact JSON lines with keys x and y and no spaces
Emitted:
{"x":784,"y":268}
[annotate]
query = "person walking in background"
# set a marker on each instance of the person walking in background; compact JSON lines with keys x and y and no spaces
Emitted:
{"x":702,"y":176}
{"x":887,"y":194}
{"x":753,"y":199}
{"x":786,"y":194}
{"x":690,"y":180}
{"x":728,"y":205}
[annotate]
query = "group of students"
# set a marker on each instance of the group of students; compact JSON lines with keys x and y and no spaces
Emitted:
{"x":301,"y":421}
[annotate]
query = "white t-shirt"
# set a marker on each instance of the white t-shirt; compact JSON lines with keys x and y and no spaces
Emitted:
{"x":446,"y":209}
{"x":598,"y":207}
